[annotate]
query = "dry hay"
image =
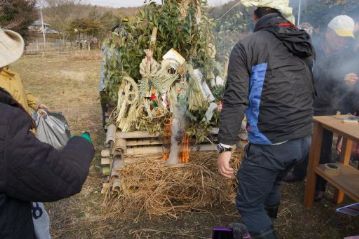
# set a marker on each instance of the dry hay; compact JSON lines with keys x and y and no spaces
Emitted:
{"x":85,"y":55}
{"x":151,"y":186}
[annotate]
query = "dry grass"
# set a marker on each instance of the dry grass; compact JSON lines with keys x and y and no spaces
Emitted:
{"x":83,"y":216}
{"x":151,"y":186}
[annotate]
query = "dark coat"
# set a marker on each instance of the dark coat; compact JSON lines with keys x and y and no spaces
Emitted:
{"x":269,"y":79}
{"x":330,"y":70}
{"x":33,"y":171}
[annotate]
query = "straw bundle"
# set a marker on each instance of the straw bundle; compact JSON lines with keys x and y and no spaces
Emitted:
{"x":150,"y":186}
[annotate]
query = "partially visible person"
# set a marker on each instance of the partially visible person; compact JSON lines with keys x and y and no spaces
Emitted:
{"x":356,"y":34}
{"x":111,"y":62}
{"x":315,"y":35}
{"x":269,"y":80}
{"x":306,"y":26}
{"x":32,"y":171}
{"x":336,"y":80}
{"x":11,"y":49}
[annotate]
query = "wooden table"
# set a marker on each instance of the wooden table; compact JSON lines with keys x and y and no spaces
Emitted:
{"x":347,"y":182}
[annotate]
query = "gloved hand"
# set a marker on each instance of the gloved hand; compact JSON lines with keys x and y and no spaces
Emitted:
{"x":87,"y":136}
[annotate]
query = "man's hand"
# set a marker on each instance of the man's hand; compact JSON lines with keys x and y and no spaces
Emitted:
{"x":224,"y":167}
{"x":42,"y":107}
{"x":339,"y":146}
{"x":42,"y":113}
{"x":42,"y":110}
{"x":351,"y":79}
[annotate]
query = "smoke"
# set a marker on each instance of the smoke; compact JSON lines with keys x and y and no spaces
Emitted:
{"x":231,"y":23}
{"x":177,"y":129}
{"x":346,"y":91}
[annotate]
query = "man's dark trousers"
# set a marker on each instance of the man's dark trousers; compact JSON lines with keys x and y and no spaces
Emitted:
{"x":260,"y":177}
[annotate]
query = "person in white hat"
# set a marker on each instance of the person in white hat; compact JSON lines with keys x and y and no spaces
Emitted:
{"x":337,"y":80}
{"x":11,"y":49}
{"x":337,"y":86}
{"x":342,"y":25}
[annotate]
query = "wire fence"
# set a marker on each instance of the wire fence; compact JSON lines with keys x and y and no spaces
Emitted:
{"x":60,"y":47}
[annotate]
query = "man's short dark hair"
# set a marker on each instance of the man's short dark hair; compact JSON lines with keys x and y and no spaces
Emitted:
{"x":262,"y":11}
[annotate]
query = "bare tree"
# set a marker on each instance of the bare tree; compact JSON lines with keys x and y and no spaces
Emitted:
{"x":60,"y":13}
{"x":57,"y":3}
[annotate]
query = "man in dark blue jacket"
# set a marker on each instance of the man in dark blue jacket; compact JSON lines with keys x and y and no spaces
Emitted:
{"x":269,"y":80}
{"x":31,"y":171}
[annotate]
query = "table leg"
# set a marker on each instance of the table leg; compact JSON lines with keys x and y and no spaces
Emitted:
{"x":313,"y":162}
{"x":345,"y":159}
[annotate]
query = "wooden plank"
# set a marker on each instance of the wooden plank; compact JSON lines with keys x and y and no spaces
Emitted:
{"x":143,"y":142}
{"x":336,"y":125}
{"x":135,"y":135}
{"x":203,"y":148}
{"x":345,"y":159}
{"x":314,"y":156}
{"x":159,"y":150}
{"x":121,"y":143}
{"x":346,"y":151}
{"x":106,"y":161}
{"x":144,"y":150}
{"x":144,"y":134}
{"x":347,"y":180}
{"x":105,"y":153}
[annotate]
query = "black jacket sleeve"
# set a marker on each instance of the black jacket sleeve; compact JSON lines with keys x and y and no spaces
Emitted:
{"x":235,"y":100}
{"x":35,"y":171}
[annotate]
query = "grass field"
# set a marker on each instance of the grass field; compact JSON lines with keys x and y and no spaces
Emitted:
{"x":69,"y":84}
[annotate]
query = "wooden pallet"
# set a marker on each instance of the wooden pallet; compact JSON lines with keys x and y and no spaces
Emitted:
{"x":142,"y":143}
{"x":121,"y":146}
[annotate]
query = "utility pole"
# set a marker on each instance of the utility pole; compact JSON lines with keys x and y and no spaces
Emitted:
{"x":299,"y":11}
{"x":43,"y":30}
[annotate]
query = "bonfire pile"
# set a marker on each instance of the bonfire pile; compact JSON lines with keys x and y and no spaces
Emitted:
{"x":152,"y":187}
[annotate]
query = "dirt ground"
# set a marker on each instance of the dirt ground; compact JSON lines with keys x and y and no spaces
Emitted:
{"x":68,"y":84}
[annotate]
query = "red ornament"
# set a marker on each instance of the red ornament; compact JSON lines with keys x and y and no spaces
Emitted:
{"x":153,"y":97}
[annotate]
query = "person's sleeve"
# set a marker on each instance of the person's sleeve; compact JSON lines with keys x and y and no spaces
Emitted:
{"x":325,"y":88}
{"x":356,"y":100}
{"x":235,"y":100}
{"x":102,"y":85}
{"x":32,"y":101}
{"x":35,"y":171}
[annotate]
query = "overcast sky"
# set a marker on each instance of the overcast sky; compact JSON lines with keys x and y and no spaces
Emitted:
{"x":133,"y":3}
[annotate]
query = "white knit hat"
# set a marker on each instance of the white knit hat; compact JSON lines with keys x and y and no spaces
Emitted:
{"x":343,"y":26}
{"x":281,"y":5}
{"x":11,"y":47}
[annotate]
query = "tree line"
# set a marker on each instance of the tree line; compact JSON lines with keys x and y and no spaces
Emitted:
{"x":69,"y":17}
{"x":72,"y":18}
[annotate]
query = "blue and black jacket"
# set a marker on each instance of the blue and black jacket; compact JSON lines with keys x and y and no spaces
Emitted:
{"x":269,"y":80}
